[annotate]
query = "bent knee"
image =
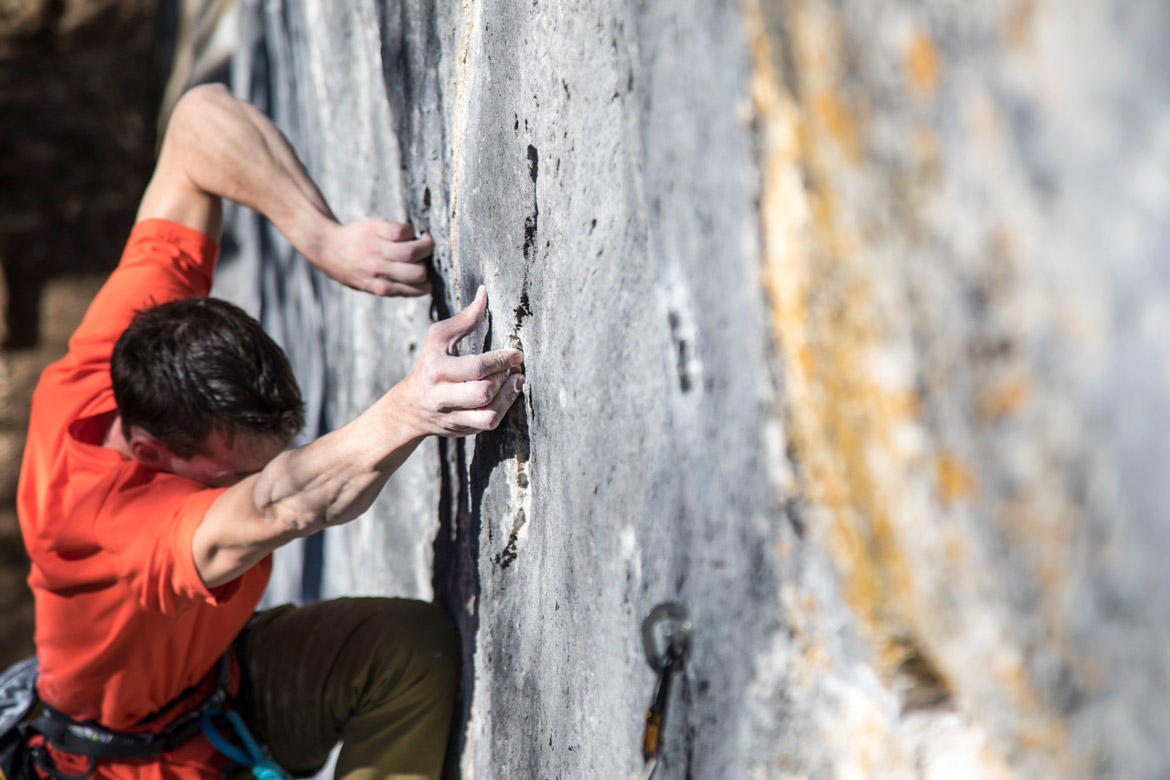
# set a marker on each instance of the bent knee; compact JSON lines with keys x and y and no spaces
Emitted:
{"x":415,"y":639}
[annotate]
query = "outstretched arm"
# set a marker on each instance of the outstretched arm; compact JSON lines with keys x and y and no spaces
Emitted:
{"x":219,"y":147}
{"x":335,"y":478}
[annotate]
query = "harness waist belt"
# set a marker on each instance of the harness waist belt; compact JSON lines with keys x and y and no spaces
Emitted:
{"x":94,"y":740}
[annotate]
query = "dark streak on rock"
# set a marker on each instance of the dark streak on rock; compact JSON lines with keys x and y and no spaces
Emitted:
{"x":487,"y":337}
{"x":530,"y":228}
{"x":532,"y":221}
{"x":682,"y":349}
{"x":504,"y":558}
{"x":792,"y":511}
{"x":510,"y":439}
{"x":524,"y":310}
{"x":533,"y":163}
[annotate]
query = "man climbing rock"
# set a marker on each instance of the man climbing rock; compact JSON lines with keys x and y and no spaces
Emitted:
{"x":156,"y":483}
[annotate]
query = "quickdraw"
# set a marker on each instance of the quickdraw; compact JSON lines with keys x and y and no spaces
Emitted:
{"x":666,"y":640}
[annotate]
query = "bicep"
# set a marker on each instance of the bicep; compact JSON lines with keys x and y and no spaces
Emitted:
{"x":234,"y":536}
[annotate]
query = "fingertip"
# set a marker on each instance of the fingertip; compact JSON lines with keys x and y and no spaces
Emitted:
{"x":422,"y":250}
{"x":515,"y":385}
{"x":479,"y":302}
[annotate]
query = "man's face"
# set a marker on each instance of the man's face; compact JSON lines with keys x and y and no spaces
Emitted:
{"x":222,"y":466}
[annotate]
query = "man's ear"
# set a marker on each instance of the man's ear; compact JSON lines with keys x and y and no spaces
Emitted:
{"x":146,"y":449}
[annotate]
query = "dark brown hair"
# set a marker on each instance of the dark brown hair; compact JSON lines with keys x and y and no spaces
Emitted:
{"x":186,"y":368}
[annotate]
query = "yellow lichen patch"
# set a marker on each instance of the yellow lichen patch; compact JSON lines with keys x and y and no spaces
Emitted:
{"x":1017,"y":22}
{"x":955,"y":481}
{"x":1003,"y":398}
{"x":850,"y":403}
{"x":817,"y":656}
{"x":923,"y":65}
{"x":827,"y":111}
{"x":835,"y":118}
{"x":837,"y":412}
{"x":786,"y":212}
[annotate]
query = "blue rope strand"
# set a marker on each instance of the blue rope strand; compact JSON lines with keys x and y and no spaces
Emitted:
{"x":255,"y":759}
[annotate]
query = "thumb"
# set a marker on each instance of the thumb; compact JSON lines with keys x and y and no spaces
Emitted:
{"x":465,"y":321}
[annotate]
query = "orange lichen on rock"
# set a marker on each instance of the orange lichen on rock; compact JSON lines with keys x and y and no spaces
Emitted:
{"x":847,"y":420}
{"x":956,"y":550}
{"x":839,"y":121}
{"x":955,"y":481}
{"x":1017,"y":22}
{"x":923,"y":64}
{"x":1006,"y":397}
{"x":838,"y":412}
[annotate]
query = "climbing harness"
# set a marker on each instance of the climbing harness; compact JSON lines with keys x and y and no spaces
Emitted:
{"x":252,"y":755}
{"x":666,"y":640}
{"x":95,"y":741}
{"x":25,"y":737}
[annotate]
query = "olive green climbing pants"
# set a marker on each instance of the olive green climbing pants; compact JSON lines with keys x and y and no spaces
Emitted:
{"x":378,"y":675}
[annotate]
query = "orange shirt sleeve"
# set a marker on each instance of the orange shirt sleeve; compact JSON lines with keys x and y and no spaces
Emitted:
{"x":146,"y":526}
{"x":163,"y":261}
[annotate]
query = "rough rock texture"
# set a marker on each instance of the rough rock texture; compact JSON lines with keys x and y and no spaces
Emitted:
{"x":845,"y":326}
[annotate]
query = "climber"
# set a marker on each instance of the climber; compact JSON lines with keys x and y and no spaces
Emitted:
{"x":157,"y":481}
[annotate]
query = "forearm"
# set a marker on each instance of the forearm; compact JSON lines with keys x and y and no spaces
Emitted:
{"x":328,"y":482}
{"x":336,"y":478}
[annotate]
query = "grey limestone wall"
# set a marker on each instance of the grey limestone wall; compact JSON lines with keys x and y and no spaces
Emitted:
{"x":846,"y":325}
